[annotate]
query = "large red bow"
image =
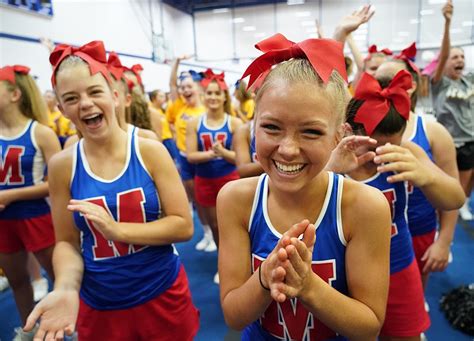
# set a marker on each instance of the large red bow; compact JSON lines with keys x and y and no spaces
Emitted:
{"x":325,"y":55}
{"x":92,"y":53}
{"x":210,"y":76}
{"x":115,"y":66}
{"x":373,"y":49}
{"x":377,"y":100}
{"x":136,"y":69}
{"x":7,"y":73}
{"x":408,"y":55}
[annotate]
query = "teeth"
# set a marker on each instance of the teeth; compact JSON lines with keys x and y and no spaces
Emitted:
{"x":91,"y":116}
{"x":289,"y":168}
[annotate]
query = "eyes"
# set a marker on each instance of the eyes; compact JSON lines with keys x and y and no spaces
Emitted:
{"x":274,"y":129}
{"x":73,"y":98}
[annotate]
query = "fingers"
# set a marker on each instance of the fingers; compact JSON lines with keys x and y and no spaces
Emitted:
{"x":59,"y":335}
{"x":397,"y":166}
{"x":32,"y":318}
{"x":364,"y":158}
{"x":39,"y":336}
{"x":309,"y":236}
{"x":297,"y":229}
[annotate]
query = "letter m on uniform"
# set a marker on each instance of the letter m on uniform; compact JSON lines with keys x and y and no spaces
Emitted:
{"x":10,"y":165}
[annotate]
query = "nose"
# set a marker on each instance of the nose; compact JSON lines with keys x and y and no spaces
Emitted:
{"x":289,"y":148}
{"x":86,"y":102}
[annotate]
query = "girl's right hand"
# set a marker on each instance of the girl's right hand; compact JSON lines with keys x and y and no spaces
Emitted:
{"x":58,"y":313}
{"x":448,"y":10}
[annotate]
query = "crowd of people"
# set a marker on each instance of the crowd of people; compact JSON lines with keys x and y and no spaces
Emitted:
{"x":329,"y":202}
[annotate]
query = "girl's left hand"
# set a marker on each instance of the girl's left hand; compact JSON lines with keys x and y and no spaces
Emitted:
{"x":407,"y":167}
{"x":295,"y":264}
{"x":102,"y":220}
{"x":218,"y":148}
{"x":6,"y":198}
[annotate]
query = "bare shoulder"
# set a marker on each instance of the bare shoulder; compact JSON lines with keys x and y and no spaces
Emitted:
{"x":146,"y":133}
{"x":61,"y":163}
{"x":237,"y":197}
{"x":235,"y":123}
{"x":44,"y":132}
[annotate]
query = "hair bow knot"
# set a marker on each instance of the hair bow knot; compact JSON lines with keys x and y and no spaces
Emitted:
{"x":408,"y":55}
{"x":7,"y":73}
{"x":377,"y":100}
{"x":210,"y":76}
{"x":325,"y":56}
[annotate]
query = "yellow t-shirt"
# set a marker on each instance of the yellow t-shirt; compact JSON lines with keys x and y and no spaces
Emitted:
{"x":248,"y":108}
{"x":60,"y":124}
{"x":165,"y":127}
{"x":180,"y":115}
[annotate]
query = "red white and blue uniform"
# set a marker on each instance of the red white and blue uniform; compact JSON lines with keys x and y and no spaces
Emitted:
{"x":212,"y":175}
{"x":406,"y":315}
{"x":422,"y":218}
{"x":23,"y":224}
{"x":291,"y":320}
{"x":118,"y":276}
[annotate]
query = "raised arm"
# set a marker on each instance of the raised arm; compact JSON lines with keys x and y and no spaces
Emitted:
{"x":352,"y":22}
{"x":445,"y":43}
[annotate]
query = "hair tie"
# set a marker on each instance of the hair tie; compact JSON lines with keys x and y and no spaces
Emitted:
{"x":210,"y":76}
{"x":7,"y":73}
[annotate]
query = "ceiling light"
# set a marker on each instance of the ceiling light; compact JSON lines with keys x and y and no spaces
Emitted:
{"x":220,"y":10}
{"x":260,"y":35}
{"x":249,"y":28}
{"x":295,"y":2}
{"x":238,"y":20}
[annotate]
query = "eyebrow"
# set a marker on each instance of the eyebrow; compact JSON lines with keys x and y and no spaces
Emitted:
{"x":89,"y":88}
{"x":319,"y":123}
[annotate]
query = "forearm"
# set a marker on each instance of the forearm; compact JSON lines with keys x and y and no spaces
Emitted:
{"x":447,"y":223}
{"x":164,"y":231}
{"x":174,"y":80}
{"x":442,"y":191}
{"x":249,"y":169}
{"x":245,"y":304}
{"x":357,"y":322}
{"x":200,"y":157}
{"x":68,"y":266}
{"x":359,"y":61}
{"x":31,"y":192}
{"x":340,"y":34}
{"x":444,"y":52}
{"x":229,"y":155}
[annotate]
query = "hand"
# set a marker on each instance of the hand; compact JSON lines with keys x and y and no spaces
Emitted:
{"x":296,"y":260}
{"x":348,"y":156}
{"x":184,"y":57}
{"x":102,"y":220}
{"x":218,"y":148}
{"x":448,"y":10}
{"x":352,"y":22}
{"x":48,"y":43}
{"x":272,"y":272}
{"x":319,"y":31}
{"x":436,"y":257}
{"x":58,"y":313}
{"x":398,"y":159}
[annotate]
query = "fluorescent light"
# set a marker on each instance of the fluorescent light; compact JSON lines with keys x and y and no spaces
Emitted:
{"x":436,"y":2}
{"x":427,"y":12}
{"x":404,"y":34}
{"x":303,"y":14}
{"x":295,"y":2}
{"x":249,"y":28}
{"x":467,"y":23}
{"x":260,"y":35}
{"x":308,"y":23}
{"x":238,"y":20}
{"x":220,"y":10}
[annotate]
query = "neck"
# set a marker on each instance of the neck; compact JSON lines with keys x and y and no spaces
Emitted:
{"x":106,"y":145}
{"x":215,"y":113}
{"x":121,"y":119}
{"x":12,"y":117}
{"x":410,"y":126}
{"x":194,"y":101}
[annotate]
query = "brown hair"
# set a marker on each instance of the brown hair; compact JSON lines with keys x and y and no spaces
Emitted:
{"x":138,"y":113}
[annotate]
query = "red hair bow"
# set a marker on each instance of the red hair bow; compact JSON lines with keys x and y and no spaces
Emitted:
{"x":7,"y":73}
{"x":373,"y":49}
{"x":115,"y":66}
{"x":136,"y":69}
{"x":325,"y":55}
{"x":92,"y":53}
{"x":377,"y":100}
{"x":408,"y":55}
{"x":210,"y":76}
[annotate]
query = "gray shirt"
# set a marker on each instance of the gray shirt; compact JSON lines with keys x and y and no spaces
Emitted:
{"x":453,"y":102}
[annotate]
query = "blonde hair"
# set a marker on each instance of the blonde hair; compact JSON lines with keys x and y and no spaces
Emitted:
{"x":138,"y":113}
{"x":32,"y":103}
{"x":301,"y":71}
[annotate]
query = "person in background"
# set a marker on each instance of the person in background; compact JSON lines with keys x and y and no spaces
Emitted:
{"x":63,"y":127}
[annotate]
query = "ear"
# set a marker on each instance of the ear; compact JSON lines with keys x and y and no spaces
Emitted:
{"x":413,"y":88}
{"x":340,"y":132}
{"x":348,"y":129}
{"x":115,"y":96}
{"x":128,"y":100}
{"x":16,"y":95}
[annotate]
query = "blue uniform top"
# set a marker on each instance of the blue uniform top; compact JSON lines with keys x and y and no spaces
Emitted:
{"x":291,"y":320}
{"x":119,"y":275}
{"x":207,"y":136}
{"x":421,"y":214}
{"x":401,"y":249}
{"x":22,"y":164}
